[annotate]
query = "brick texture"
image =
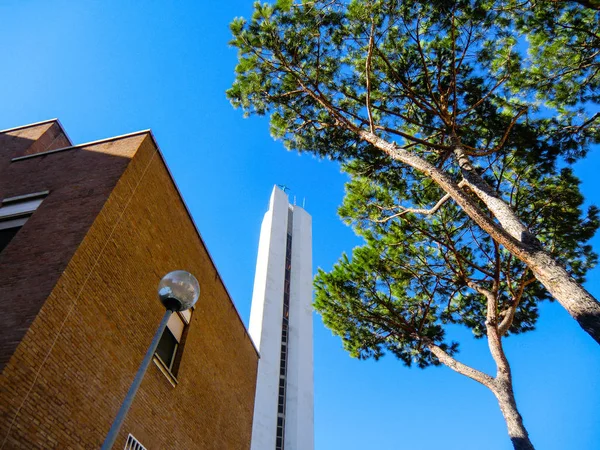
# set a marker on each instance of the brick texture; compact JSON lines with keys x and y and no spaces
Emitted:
{"x":31,"y":139}
{"x":83,"y":272}
{"x":79,"y":181}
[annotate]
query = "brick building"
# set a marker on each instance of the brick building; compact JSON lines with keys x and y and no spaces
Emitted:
{"x":86,"y":233}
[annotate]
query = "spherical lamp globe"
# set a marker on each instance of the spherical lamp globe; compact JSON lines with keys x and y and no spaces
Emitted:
{"x":178,"y":290}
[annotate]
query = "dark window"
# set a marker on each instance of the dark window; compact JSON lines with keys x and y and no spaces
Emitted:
{"x":9,"y":227}
{"x":6,"y":236}
{"x":171,"y":345}
{"x":14,"y":212}
{"x":167,"y":348}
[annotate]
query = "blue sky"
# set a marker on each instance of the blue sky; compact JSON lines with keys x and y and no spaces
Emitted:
{"x":106,"y":68}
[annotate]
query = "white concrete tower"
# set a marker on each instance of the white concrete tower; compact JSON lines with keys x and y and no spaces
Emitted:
{"x":281,"y":327}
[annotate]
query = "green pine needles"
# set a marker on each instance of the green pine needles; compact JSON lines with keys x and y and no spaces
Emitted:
{"x":456,"y":121}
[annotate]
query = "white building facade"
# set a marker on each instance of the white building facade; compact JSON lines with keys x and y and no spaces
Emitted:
{"x":282,"y":329}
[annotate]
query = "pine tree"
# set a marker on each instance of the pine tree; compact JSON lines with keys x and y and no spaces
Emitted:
{"x":434,"y":267}
{"x":430,"y":90}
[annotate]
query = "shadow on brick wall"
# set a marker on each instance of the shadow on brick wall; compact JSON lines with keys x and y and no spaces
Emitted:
{"x":79,"y":182}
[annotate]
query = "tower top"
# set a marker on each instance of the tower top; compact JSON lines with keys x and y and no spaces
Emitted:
{"x":281,"y":189}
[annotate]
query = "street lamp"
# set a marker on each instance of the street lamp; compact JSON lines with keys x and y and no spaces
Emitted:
{"x":177,"y":291}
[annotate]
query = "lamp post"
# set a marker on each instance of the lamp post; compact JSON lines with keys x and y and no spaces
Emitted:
{"x":177,"y":291}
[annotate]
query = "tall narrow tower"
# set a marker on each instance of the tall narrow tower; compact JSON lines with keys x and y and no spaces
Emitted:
{"x":281,"y":326}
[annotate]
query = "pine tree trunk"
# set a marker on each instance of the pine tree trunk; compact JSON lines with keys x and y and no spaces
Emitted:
{"x":501,"y":386}
{"x":514,"y":422}
{"x":512,"y":235}
{"x":578,"y":302}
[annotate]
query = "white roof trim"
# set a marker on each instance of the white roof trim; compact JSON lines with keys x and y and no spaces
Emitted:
{"x":29,"y":125}
{"x":86,"y":144}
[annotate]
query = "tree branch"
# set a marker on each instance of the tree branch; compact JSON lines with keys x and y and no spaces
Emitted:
{"x":459,"y":367}
{"x":509,"y":314}
{"x":368,"y":76}
{"x":426,"y":212}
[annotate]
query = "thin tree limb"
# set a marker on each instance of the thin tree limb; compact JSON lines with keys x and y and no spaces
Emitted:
{"x":459,"y":367}
{"x":368,"y":76}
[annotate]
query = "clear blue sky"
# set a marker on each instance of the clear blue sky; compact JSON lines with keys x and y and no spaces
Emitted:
{"x":106,"y":68}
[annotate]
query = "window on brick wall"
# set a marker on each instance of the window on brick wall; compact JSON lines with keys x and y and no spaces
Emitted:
{"x":14,"y":212}
{"x":171,"y":342}
{"x":167,"y":348}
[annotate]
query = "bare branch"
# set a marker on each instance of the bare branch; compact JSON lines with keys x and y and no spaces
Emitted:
{"x":459,"y":367}
{"x":426,"y":212}
{"x":509,"y":314}
{"x":414,"y":139}
{"x":491,"y":324}
{"x":587,"y":122}
{"x":368,"y":76}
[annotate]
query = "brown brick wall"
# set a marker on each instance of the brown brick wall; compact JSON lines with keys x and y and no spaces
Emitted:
{"x":64,"y":383}
{"x":31,"y":139}
{"x":79,"y":182}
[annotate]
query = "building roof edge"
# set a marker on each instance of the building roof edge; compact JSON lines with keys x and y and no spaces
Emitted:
{"x":85,"y":144}
{"x":29,"y":125}
{"x":35,"y":124}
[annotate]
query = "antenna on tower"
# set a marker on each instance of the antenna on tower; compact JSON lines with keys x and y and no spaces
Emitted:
{"x":294,"y":200}
{"x":303,"y":202}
